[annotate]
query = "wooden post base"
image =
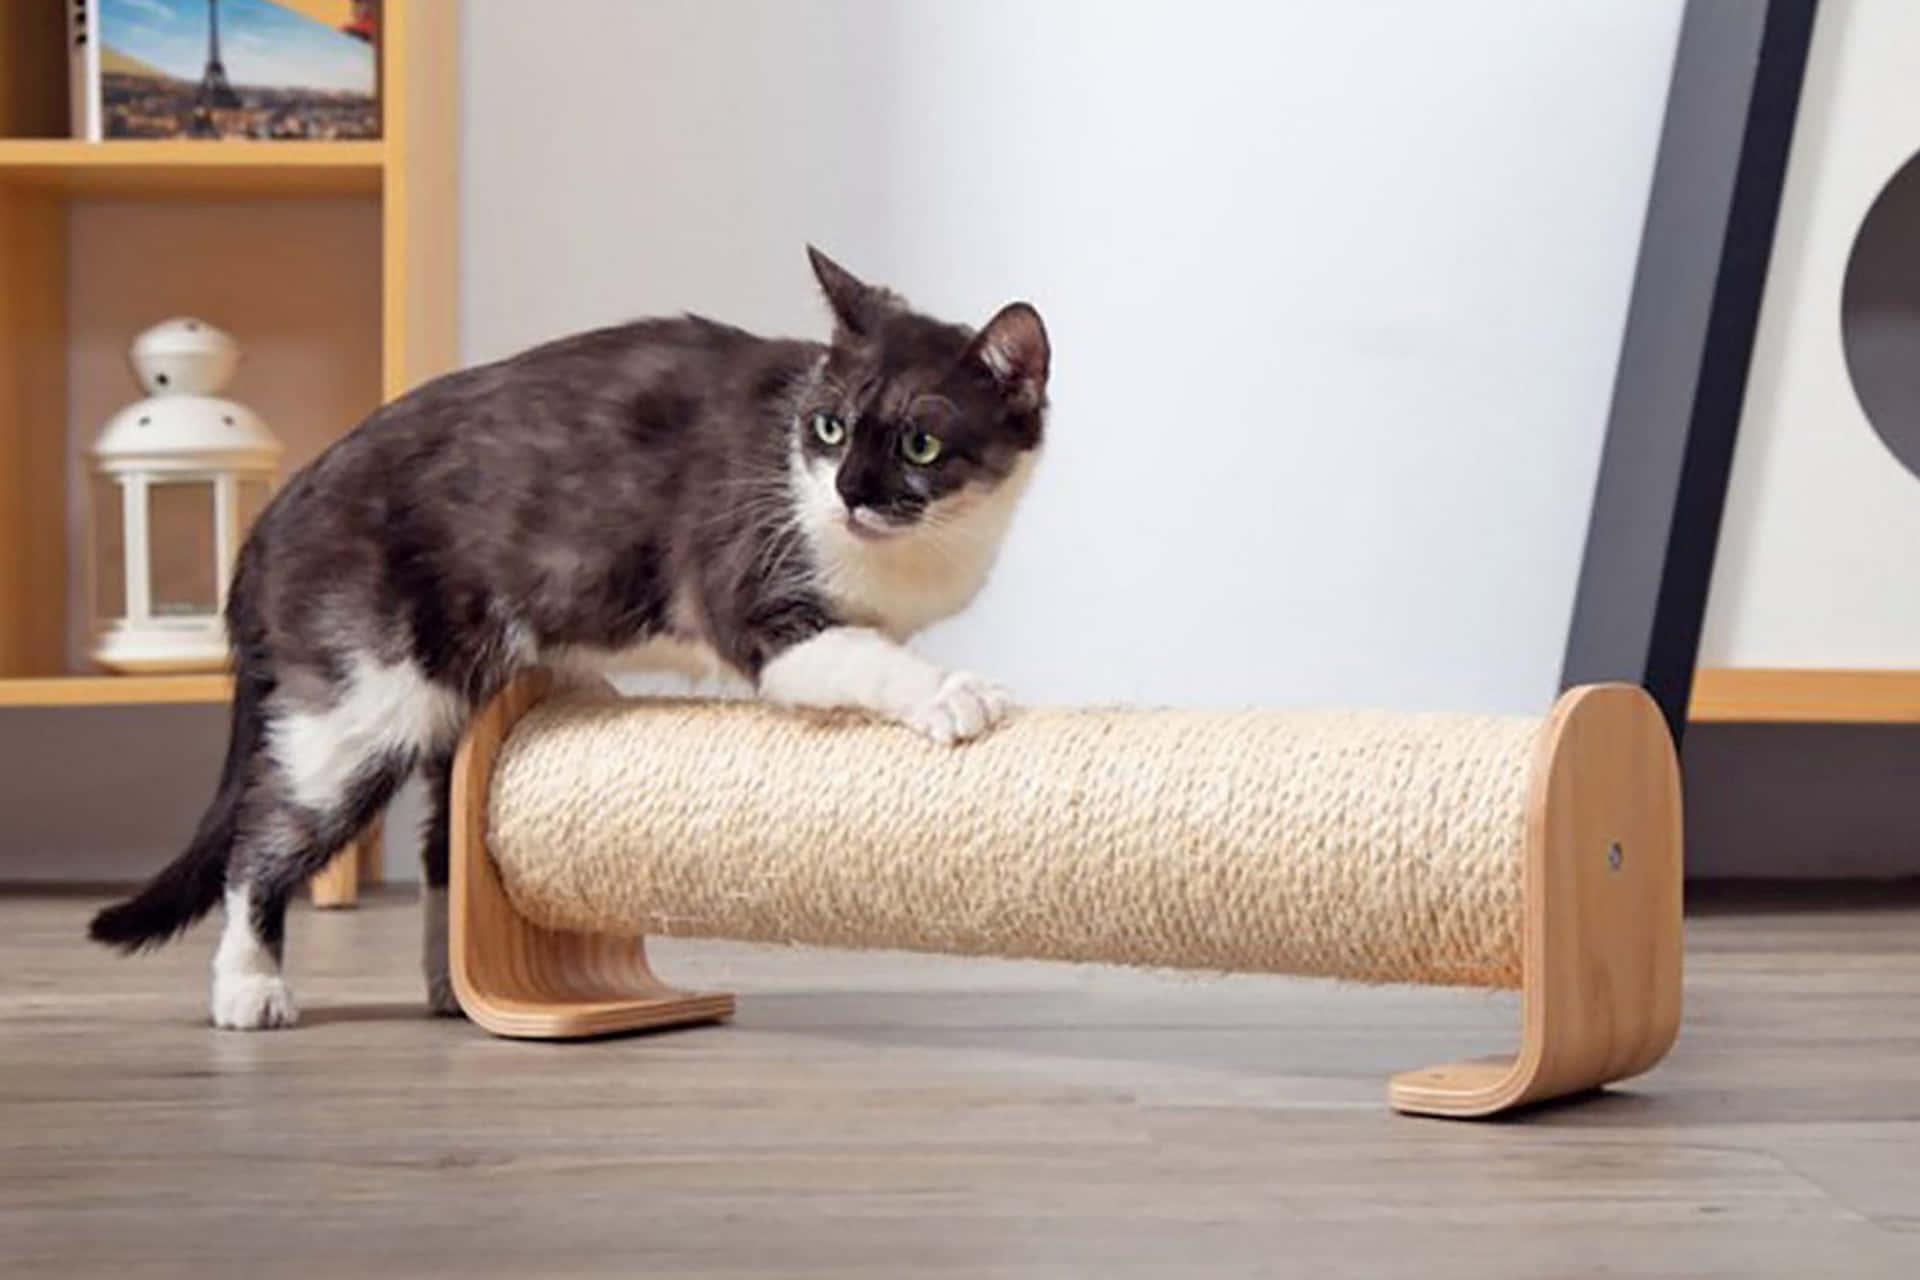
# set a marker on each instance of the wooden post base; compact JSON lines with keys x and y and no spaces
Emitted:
{"x":1601,"y":938}
{"x":1601,"y":944}
{"x":515,"y":978}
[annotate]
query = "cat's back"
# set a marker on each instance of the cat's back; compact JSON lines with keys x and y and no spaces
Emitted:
{"x":581,"y":403}
{"x":583,"y":377}
{"x":582,"y":382}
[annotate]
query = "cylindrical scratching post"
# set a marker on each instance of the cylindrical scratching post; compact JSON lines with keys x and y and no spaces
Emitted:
{"x":1375,"y":847}
{"x":1367,"y":846}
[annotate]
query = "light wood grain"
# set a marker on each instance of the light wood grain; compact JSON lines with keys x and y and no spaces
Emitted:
{"x":1805,"y":696}
{"x":880,"y":1117}
{"x":106,"y":691}
{"x":33,"y":69}
{"x":1601,"y":971}
{"x":33,"y":326}
{"x":338,"y":883}
{"x":420,"y":205}
{"x":370,"y":855}
{"x":518,"y":979}
{"x":181,"y":169}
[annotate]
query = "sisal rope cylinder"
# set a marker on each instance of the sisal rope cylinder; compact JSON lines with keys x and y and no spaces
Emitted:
{"x":1370,"y":846}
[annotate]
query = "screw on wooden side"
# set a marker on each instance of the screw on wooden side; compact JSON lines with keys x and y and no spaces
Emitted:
{"x":1615,"y":856}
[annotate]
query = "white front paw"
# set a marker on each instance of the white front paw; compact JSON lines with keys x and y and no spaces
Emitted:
{"x":963,"y":706}
{"x":253,"y":1002}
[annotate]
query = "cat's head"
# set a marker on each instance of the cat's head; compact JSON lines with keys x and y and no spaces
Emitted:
{"x":915,"y":426}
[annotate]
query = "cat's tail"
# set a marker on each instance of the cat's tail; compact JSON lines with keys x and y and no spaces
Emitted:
{"x":186,"y":888}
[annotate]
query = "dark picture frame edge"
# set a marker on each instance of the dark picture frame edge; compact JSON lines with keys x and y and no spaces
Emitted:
{"x":1680,"y":387}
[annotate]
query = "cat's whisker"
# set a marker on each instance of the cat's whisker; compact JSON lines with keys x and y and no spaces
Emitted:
{"x":780,"y":549}
{"x":747,"y":513}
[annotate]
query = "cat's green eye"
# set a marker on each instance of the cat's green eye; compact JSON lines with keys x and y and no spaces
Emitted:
{"x":829,"y":430}
{"x":919,"y":447}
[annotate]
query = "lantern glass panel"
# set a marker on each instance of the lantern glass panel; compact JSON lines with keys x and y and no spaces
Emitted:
{"x":109,"y":549}
{"x":180,"y":541}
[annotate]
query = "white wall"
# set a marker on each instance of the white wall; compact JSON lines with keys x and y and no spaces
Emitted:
{"x":1336,"y":290}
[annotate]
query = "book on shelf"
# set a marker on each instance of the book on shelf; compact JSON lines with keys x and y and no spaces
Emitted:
{"x":263,"y":69}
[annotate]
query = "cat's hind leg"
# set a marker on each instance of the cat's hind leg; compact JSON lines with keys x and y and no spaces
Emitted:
{"x":331,"y":765}
{"x":249,"y":991}
{"x":434,"y":860}
{"x":281,"y":845}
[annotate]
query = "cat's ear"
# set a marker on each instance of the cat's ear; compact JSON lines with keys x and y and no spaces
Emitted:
{"x":1013,"y":349}
{"x":857,"y":305}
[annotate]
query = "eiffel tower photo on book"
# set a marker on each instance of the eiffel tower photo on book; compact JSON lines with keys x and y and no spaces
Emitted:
{"x":268,"y":69}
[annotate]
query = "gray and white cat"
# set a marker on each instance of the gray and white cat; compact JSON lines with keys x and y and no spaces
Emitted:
{"x":667,"y":490}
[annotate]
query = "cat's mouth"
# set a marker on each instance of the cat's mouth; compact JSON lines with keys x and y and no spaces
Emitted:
{"x":874,"y":526}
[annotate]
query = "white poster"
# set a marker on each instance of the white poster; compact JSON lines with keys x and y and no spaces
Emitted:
{"x":1819,"y":559}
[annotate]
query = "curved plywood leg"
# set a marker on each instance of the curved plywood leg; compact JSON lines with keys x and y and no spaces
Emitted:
{"x":1600,"y":986}
{"x":513,"y":977}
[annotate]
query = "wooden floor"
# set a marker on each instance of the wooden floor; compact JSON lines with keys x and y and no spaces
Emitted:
{"x":885,"y":1116}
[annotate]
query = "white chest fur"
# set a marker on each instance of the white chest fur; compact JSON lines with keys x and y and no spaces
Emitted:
{"x":899,"y":585}
{"x":905,"y":583}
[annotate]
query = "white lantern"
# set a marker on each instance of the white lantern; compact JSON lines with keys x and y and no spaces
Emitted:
{"x":178,"y":479}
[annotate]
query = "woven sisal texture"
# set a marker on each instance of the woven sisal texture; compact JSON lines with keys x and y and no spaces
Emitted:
{"x":1370,"y":846}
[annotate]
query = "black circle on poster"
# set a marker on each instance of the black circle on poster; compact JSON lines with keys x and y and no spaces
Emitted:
{"x":1880,"y":315}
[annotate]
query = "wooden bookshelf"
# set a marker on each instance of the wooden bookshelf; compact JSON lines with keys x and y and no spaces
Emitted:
{"x":56,"y":194}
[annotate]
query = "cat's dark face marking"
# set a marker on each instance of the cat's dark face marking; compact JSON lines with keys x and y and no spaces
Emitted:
{"x":907,"y":412}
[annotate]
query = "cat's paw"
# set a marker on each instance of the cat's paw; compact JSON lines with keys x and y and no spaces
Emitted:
{"x":963,"y":706}
{"x":253,"y":1002}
